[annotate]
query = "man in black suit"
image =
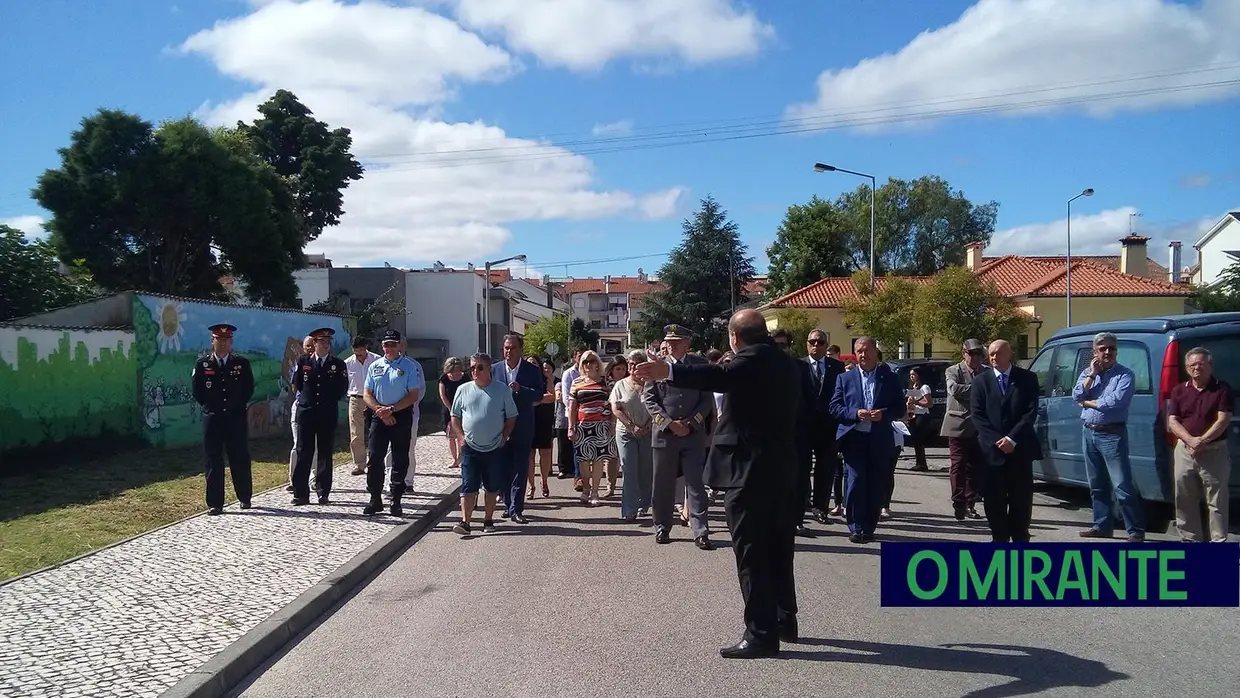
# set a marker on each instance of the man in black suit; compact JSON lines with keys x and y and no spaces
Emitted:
{"x":321,"y":382}
{"x":1003,"y":403}
{"x":821,"y":453}
{"x":753,"y":460}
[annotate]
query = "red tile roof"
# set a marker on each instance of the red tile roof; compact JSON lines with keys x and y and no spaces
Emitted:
{"x":1015,"y":277}
{"x":1156,"y":270}
{"x":619,"y":284}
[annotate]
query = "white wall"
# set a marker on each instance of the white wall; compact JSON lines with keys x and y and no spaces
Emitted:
{"x":1214,"y":257}
{"x":445,"y":305}
{"x":536,"y":295}
{"x":312,"y":286}
{"x":48,"y":340}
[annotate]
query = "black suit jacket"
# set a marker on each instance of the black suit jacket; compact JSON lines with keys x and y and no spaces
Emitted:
{"x":818,"y":394}
{"x":1011,"y":414}
{"x":754,"y":442}
{"x":323,"y":386}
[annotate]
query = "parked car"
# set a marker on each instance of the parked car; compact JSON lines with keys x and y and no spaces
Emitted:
{"x":1154,"y":349}
{"x":931,"y":372}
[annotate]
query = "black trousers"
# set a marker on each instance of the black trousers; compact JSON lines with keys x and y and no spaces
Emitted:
{"x":918,"y":428}
{"x":564,"y":454}
{"x":820,"y":464}
{"x":1007,"y":494}
{"x":316,"y":427}
{"x":398,"y":436}
{"x":763,"y":527}
{"x":227,"y":433}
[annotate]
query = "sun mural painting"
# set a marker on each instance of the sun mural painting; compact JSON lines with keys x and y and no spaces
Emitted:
{"x":171,"y":320}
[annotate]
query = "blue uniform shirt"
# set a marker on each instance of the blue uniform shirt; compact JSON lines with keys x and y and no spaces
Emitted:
{"x":1111,"y":390}
{"x":390,"y":381}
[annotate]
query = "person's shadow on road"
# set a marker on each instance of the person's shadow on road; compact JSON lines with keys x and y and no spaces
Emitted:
{"x":1033,"y":669}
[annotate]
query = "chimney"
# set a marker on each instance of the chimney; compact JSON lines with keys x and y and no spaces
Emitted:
{"x":973,"y":255}
{"x":550,"y":296}
{"x":607,"y":284}
{"x":1132,"y":257}
{"x":1175,"y":264}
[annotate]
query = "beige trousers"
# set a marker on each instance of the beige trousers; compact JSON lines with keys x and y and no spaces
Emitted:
{"x":1204,"y":474}
{"x":357,"y":431}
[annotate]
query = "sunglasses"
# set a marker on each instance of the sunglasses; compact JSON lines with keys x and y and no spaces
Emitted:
{"x":476,"y":369}
{"x":815,"y":342}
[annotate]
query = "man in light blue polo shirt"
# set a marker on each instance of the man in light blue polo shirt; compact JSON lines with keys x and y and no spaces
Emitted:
{"x":393,"y":387}
{"x":484,"y":413}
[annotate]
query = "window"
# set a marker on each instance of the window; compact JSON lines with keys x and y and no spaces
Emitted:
{"x":598,"y":303}
{"x":1067,"y":367}
{"x":927,"y":350}
{"x":1041,"y":368}
{"x":596,"y":324}
{"x":1136,"y":357}
{"x":1022,"y":346}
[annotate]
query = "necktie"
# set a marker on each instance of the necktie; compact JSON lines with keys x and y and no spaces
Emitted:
{"x":818,"y":369}
{"x":1003,"y":379}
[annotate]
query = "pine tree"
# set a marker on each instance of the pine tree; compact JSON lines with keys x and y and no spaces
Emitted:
{"x":699,"y":286}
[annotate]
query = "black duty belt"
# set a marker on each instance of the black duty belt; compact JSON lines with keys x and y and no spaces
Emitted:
{"x":1114,"y":427}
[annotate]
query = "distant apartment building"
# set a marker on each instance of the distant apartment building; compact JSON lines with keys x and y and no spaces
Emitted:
{"x":609,"y":305}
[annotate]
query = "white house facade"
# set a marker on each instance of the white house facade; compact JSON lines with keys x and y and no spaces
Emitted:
{"x":1217,"y":249}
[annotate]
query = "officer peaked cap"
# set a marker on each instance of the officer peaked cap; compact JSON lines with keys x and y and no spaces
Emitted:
{"x":323,"y":333}
{"x":222,"y":331}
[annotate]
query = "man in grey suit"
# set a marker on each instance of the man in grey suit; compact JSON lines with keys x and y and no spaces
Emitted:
{"x":679,"y":441}
{"x":966,"y":455}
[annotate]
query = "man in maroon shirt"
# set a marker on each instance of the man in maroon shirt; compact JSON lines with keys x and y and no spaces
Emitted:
{"x":1199,"y":415}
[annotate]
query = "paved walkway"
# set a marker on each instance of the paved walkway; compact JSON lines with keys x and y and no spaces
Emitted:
{"x":134,"y":619}
{"x":578,"y":603}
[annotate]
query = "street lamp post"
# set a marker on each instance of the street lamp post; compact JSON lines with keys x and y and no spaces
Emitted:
{"x":1068,"y":275}
{"x":820,"y":167}
{"x":486,"y":298}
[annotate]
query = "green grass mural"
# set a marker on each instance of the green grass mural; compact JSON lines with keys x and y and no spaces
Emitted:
{"x":57,"y":386}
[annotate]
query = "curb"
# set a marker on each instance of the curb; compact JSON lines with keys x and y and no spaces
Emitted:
{"x":232,"y":665}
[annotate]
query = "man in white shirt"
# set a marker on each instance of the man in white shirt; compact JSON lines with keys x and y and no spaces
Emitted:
{"x":359,"y":414}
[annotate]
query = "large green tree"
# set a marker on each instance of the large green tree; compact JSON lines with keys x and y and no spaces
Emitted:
{"x":800,"y":323}
{"x":701,"y":277}
{"x":957,"y":305}
{"x":555,"y":329}
{"x":171,"y":210}
{"x":31,"y":279}
{"x":314,"y":159}
{"x":884,"y":311}
{"x":921,"y":227}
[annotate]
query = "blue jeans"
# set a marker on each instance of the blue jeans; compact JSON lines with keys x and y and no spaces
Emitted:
{"x":1110,"y":482}
{"x":637,"y":467}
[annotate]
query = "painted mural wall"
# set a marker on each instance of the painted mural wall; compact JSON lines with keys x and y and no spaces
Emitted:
{"x":61,"y":385}
{"x":170,"y":334}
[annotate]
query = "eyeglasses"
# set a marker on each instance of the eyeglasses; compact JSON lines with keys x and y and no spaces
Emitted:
{"x":476,"y":369}
{"x":815,"y":342}
{"x":1106,"y":349}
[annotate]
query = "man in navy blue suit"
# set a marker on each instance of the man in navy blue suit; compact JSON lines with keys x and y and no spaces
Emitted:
{"x":526,"y":381}
{"x":866,"y":402}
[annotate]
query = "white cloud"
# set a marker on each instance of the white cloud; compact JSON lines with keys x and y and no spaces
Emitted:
{"x":1025,"y":56}
{"x":1098,"y":234}
{"x":587,"y":34}
{"x":32,"y":226}
{"x":381,"y":71}
{"x":615,"y":128}
{"x":663,"y":204}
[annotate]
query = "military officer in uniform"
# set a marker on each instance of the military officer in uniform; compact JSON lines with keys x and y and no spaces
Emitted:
{"x":679,"y":441}
{"x":393,"y":387}
{"x":223,"y":384}
{"x":322,"y":381}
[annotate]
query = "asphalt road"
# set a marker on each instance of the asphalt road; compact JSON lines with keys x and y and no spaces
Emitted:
{"x":578,"y":603}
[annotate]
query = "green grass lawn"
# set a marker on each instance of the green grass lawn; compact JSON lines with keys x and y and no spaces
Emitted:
{"x":65,"y":510}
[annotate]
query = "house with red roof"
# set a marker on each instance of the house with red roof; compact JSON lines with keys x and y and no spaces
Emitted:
{"x":1126,"y":286}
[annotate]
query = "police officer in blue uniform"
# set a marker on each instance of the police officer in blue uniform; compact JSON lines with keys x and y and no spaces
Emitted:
{"x":322,"y":381}
{"x":223,"y":384}
{"x":392,"y":390}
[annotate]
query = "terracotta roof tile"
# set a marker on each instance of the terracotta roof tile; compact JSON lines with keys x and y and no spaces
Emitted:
{"x":1156,"y":270}
{"x":619,"y":284}
{"x":828,"y":293}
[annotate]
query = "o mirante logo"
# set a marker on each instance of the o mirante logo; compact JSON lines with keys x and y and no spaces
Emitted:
{"x":1060,"y":574}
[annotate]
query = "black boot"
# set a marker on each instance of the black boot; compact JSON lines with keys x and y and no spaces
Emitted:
{"x":396,"y":509}
{"x":375,"y":506}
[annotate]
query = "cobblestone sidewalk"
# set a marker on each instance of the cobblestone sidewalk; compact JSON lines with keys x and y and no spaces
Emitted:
{"x":134,"y":619}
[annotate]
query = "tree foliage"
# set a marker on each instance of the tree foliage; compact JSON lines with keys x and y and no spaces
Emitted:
{"x":884,"y":310}
{"x":701,"y":276}
{"x":373,"y":318}
{"x":1222,"y":296}
{"x":581,"y":334}
{"x":957,"y":305}
{"x":31,"y":280}
{"x":555,"y":329}
{"x":921,"y":227}
{"x":170,"y":210}
{"x":800,"y":323}
{"x":314,"y":160}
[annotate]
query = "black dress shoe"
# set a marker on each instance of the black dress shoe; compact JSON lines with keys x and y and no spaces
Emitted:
{"x":803,"y":531}
{"x":788,"y":631}
{"x":703,"y":543}
{"x":857,"y":538}
{"x":300,"y":501}
{"x":747,"y":649}
{"x":662,"y":537}
{"x":375,"y":506}
{"x":245,"y":505}
{"x":821,"y":517}
{"x":519,"y":519}
{"x":215,"y":511}
{"x":323,"y":499}
{"x":396,"y":509}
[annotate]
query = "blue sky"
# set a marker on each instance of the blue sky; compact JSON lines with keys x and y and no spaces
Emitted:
{"x":1119,"y":83}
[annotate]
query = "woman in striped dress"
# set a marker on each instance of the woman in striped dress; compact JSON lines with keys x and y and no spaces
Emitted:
{"x":590,"y":425}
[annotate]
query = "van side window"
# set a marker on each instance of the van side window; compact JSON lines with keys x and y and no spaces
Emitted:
{"x":1136,"y":357}
{"x":1070,"y":360}
{"x":1224,"y":354}
{"x":1041,"y":368}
